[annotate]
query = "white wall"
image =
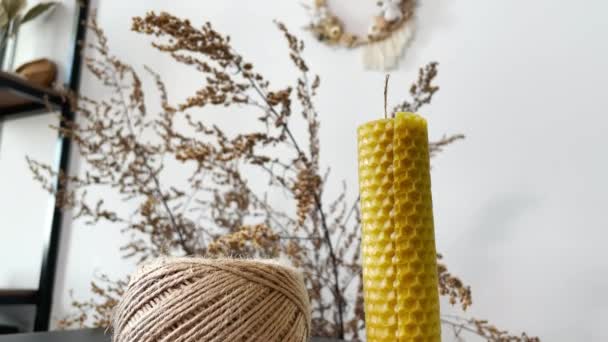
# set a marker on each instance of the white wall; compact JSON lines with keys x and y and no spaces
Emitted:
{"x":519,"y":205}
{"x":24,"y":206}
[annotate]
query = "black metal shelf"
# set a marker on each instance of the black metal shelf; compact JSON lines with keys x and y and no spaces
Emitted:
{"x":18,"y":297}
{"x":18,"y":96}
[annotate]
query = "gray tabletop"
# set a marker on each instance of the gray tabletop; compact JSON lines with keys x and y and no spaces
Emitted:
{"x":90,"y":335}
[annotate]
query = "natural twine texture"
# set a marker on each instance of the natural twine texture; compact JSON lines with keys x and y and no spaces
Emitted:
{"x":223,"y":300}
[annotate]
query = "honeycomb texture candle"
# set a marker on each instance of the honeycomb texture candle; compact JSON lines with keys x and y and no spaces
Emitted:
{"x":398,"y":240}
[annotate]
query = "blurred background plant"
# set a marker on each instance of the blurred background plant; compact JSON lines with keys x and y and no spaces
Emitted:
{"x":11,"y":18}
{"x":213,"y":210}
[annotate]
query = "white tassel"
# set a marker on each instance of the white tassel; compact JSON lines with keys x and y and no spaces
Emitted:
{"x":385,"y":55}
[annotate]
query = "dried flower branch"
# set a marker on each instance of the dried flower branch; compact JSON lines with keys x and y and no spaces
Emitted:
{"x":212,"y":210}
{"x":98,"y":310}
{"x":482,"y":329}
{"x":259,"y":241}
{"x":452,"y":286}
{"x":422,"y":91}
{"x":437,"y":146}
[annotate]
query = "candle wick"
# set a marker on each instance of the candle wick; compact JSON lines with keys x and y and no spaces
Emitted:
{"x":385,"y":94}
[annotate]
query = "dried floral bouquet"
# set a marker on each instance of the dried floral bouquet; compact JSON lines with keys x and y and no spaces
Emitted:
{"x":126,"y":149}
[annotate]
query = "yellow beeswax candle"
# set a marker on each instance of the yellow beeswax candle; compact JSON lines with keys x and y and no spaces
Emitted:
{"x":398,"y":240}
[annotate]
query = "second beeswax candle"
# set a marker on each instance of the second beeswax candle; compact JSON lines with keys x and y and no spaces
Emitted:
{"x":398,"y":240}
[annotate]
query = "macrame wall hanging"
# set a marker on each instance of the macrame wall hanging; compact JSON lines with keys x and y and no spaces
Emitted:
{"x":388,"y":35}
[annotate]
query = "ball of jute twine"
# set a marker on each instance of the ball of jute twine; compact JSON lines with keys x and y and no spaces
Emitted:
{"x":219,"y":300}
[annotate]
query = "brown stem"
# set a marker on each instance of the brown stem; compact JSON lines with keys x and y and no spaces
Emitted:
{"x":319,"y":208}
{"x":386,"y":94}
{"x":297,"y":238}
{"x":334,"y":262}
{"x":444,"y":141}
{"x":352,"y":210}
{"x":459,"y":326}
{"x":157,"y":186}
{"x":174,"y":224}
{"x":274,"y":112}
